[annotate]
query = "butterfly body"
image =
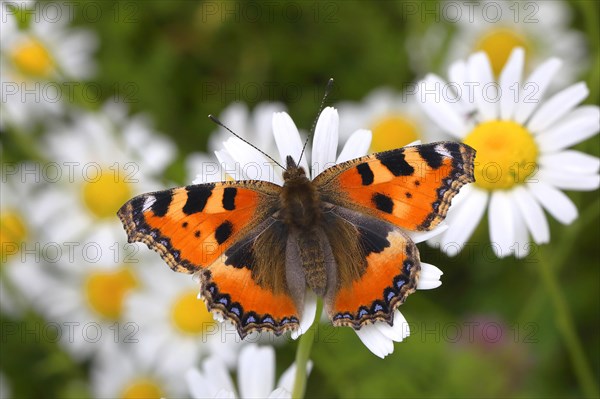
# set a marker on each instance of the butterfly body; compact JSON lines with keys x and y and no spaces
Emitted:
{"x":258,"y":247}
{"x":302,"y":214}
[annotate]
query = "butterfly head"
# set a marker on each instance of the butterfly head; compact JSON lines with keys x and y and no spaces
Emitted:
{"x":292,"y":171}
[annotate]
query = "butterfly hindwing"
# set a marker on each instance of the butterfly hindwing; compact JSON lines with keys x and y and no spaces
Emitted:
{"x":378,"y":267}
{"x":191,"y":226}
{"x":247,"y":283}
{"x":410,"y":187}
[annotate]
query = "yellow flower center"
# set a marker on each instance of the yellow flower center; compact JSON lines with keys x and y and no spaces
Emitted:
{"x":106,"y":291}
{"x":190,"y":315}
{"x":393,"y":131}
{"x":498,"y":44}
{"x":105,"y":194}
{"x":33,"y":59}
{"x":506,"y":154}
{"x":12,"y":233}
{"x":142,"y":389}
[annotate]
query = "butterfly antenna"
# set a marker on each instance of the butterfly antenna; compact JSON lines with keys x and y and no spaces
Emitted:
{"x":218,"y":122}
{"x":312,"y":130}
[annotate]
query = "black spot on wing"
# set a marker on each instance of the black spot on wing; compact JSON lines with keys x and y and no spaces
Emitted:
{"x":372,"y":241}
{"x":197,"y":198}
{"x":457,"y":158}
{"x":366,"y":174}
{"x":395,"y":162}
{"x":430,"y":155}
{"x":163,"y":199}
{"x":229,"y":198}
{"x":223,"y":232}
{"x":241,"y":255}
{"x":383,"y":202}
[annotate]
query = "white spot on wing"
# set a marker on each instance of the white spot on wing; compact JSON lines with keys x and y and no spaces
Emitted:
{"x":150,"y":200}
{"x":440,"y":149}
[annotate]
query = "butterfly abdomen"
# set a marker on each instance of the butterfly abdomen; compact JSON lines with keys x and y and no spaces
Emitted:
{"x":313,"y":261}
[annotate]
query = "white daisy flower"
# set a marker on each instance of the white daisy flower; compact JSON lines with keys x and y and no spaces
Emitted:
{"x":379,"y":336}
{"x":36,"y":61}
{"x":19,"y":241}
{"x":523,"y":160}
{"x":255,"y":372}
{"x":120,"y":373}
{"x":254,"y":126}
{"x":179,"y":327}
{"x":86,"y":304}
{"x":99,"y":161}
{"x":394,"y":119}
{"x":496,"y":27}
{"x":82,"y":269}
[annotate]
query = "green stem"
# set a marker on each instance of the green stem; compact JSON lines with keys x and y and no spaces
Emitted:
{"x":303,"y":353}
{"x":564,"y":322}
{"x":559,"y":258}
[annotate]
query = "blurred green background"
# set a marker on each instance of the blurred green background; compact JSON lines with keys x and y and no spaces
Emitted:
{"x":181,"y":60}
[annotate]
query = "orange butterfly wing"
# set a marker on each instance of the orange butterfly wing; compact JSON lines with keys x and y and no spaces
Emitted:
{"x":191,"y":226}
{"x":410,"y":187}
{"x":212,"y":229}
{"x":389,"y":263}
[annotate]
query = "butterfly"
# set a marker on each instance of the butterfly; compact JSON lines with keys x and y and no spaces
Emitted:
{"x":258,"y":246}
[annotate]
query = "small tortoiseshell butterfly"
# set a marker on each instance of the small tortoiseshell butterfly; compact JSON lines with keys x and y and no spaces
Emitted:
{"x":257,"y":246}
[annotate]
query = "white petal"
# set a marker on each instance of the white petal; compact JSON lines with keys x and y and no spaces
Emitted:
{"x":571,"y":161}
{"x":463,"y":220}
{"x":581,"y":124}
{"x":510,"y":77}
{"x":325,"y":142}
{"x":309,"y":314}
{"x":256,"y":371}
{"x":520,"y":249}
{"x":457,"y":74}
{"x":554,"y":201}
{"x":486,"y":92}
{"x":375,"y":340}
{"x":557,"y":106}
{"x":420,"y":236}
{"x":397,"y":332}
{"x":288,"y":139}
{"x":250,"y":163}
{"x":430,"y":277}
{"x":230,"y":166}
{"x":533,"y":215}
{"x":225,"y":394}
{"x":533,"y":89}
{"x":502,"y":229}
{"x":569,"y":181}
{"x":196,"y":384}
{"x":287,"y":379}
{"x":356,"y":146}
{"x":446,"y":115}
{"x":213,"y":378}
{"x":280,"y":393}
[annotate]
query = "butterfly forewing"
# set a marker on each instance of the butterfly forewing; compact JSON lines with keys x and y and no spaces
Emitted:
{"x":410,"y":187}
{"x":191,"y":226}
